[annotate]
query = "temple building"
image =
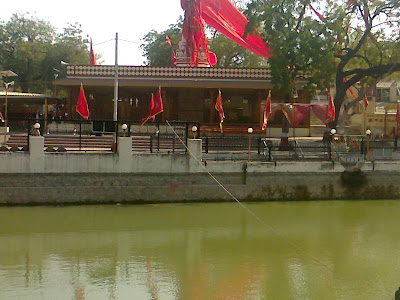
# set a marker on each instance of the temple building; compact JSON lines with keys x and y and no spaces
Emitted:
{"x":188,"y":93}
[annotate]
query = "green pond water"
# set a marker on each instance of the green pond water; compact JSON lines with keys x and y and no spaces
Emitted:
{"x":273,"y":250}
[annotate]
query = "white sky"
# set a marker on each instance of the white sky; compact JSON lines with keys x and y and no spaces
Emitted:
{"x":102,"y":19}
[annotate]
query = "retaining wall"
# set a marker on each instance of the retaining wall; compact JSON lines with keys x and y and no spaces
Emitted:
{"x":125,"y":177}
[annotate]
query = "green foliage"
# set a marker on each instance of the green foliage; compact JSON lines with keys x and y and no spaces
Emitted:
{"x":155,"y":47}
{"x":231,"y":54}
{"x":32,"y":48}
{"x":301,"y":44}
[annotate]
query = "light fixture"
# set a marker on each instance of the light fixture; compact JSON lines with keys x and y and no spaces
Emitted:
{"x":250,"y":130}
{"x":37,"y":127}
{"x":333,"y":131}
{"x":368,"y":132}
{"x":124,"y":128}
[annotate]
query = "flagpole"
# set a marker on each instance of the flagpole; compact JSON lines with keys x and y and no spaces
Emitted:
{"x":115,"y":115}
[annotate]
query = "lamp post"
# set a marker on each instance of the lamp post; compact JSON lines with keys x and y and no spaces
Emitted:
{"x":333,"y":132}
{"x":194,"y":130}
{"x":249,"y":131}
{"x":124,"y":128}
{"x":6,"y":74}
{"x":368,"y":133}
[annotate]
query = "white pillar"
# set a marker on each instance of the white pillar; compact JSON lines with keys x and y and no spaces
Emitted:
{"x":125,"y":153}
{"x":194,"y":146}
{"x":36,"y":146}
{"x":36,"y":153}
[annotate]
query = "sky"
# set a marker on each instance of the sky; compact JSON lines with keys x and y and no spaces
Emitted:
{"x":102,"y":20}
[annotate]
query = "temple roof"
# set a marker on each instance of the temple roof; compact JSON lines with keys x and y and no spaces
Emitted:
{"x":167,"y":77}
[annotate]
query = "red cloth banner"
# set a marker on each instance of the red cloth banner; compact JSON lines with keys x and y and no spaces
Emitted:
{"x":220,"y":109}
{"x":93,"y":61}
{"x":321,"y":111}
{"x":155,"y":107}
{"x":227,"y":19}
{"x":267,"y":111}
{"x":81,"y":105}
{"x":1,"y":117}
{"x":295,"y":113}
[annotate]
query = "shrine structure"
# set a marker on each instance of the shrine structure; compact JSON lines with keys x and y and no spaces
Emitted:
{"x":190,"y":87}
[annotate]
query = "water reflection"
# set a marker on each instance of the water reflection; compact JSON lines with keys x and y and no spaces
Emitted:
{"x":343,"y":250}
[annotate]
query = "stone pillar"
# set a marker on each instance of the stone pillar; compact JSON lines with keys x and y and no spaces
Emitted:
{"x":36,"y":153}
{"x":194,"y":146}
{"x":36,"y":146}
{"x":124,"y":153}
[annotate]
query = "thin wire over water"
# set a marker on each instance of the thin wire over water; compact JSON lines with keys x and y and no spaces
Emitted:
{"x":282,"y":236}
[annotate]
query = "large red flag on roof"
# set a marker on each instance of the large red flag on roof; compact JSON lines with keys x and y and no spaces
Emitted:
{"x":227,"y":19}
{"x":93,"y":61}
{"x":218,"y":106}
{"x":81,"y":105}
{"x":155,"y":107}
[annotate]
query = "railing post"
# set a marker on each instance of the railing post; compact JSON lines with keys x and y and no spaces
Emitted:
{"x":173,"y":144}
{"x":198,"y":130}
{"x":29,"y":130}
{"x":206,"y":147}
{"x":116,"y":134}
{"x":80,"y":135}
{"x":259,"y":145}
{"x":329,"y":148}
{"x":362,"y":147}
{"x":151,"y":143}
{"x":269,"y":153}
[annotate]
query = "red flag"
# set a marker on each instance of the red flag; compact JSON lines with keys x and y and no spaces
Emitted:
{"x":350,"y":2}
{"x":267,"y":111}
{"x":155,"y":107}
{"x":331,"y":110}
{"x":81,"y":105}
{"x":1,"y":117}
{"x":173,"y":55}
{"x":167,"y":39}
{"x":218,"y":106}
{"x":366,"y":103}
{"x":93,"y":61}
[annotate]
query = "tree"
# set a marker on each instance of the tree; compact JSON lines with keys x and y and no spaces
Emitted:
{"x":367,"y":47}
{"x":155,"y":47}
{"x":355,"y":42}
{"x":301,"y":43}
{"x":231,"y":54}
{"x":32,"y":48}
